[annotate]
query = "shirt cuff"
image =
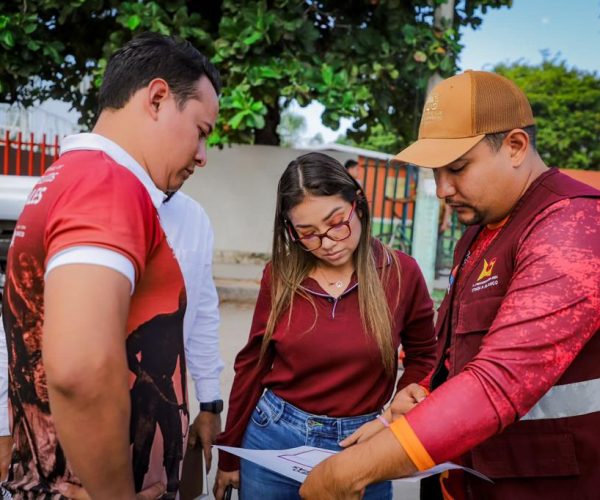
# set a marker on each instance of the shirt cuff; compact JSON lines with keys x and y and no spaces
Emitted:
{"x":207,"y":390}
{"x":411,"y":444}
{"x":93,"y":255}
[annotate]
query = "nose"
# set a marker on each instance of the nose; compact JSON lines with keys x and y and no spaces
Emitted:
{"x":443,"y":184}
{"x":327,"y":243}
{"x":200,"y":157}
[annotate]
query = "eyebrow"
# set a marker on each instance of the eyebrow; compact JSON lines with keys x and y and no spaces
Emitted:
{"x":324,"y":218}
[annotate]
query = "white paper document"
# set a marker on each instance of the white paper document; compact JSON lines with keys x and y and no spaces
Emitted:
{"x":296,"y":463}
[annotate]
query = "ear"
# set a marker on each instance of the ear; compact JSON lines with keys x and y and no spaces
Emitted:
{"x":517,"y":142}
{"x":157,"y":93}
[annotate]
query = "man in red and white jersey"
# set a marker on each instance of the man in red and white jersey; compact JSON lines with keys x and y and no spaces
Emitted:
{"x":95,"y":299}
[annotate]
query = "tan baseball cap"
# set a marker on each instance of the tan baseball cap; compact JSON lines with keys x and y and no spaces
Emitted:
{"x":460,"y":111}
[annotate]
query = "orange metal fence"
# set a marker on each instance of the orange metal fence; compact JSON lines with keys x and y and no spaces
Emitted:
{"x":391,"y":190}
{"x":24,"y":155}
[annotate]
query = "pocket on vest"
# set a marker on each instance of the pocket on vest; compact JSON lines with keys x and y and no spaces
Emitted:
{"x":474,"y":321}
{"x":478,"y":315}
{"x":514,"y":455}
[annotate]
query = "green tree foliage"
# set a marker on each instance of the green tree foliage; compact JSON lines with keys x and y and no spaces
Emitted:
{"x":379,"y":139}
{"x":566,"y":106}
{"x":368,"y":60}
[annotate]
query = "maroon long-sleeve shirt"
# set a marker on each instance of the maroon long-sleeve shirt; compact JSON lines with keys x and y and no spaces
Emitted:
{"x":328,"y":364}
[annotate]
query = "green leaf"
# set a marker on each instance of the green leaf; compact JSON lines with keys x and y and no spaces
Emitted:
{"x":237,"y":119}
{"x":30,"y":28}
{"x":446,"y":65}
{"x":4,"y":20}
{"x":33,"y":45}
{"x":259,"y":121}
{"x":327,"y":74}
{"x":253,"y":38}
{"x":258,"y":107}
{"x":7,"y":39}
{"x":410,"y":34}
{"x":199,"y":34}
{"x":133,"y":22}
{"x":269,"y":72}
{"x":51,"y":51}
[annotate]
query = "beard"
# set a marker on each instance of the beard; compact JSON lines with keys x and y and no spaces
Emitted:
{"x":468,"y":215}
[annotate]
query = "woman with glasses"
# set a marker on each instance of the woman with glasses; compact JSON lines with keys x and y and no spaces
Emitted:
{"x":322,"y":356}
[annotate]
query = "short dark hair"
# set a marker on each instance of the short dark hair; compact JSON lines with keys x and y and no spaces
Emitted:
{"x":350,"y":164}
{"x":495,"y":140}
{"x":149,"y":56}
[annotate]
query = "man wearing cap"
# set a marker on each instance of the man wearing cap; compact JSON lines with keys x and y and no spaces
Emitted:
{"x":516,"y":390}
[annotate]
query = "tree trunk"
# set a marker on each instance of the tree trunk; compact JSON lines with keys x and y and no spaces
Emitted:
{"x":444,"y":13}
{"x":268,"y":135}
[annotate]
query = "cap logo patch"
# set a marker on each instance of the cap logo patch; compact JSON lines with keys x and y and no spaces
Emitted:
{"x":432,"y":108}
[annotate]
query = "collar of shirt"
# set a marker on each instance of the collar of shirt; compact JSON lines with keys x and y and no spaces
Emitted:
{"x":311,"y":285}
{"x":95,"y":142}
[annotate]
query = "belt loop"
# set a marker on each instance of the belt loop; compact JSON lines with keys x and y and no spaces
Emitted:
{"x":276,"y":404}
{"x":340,"y":429}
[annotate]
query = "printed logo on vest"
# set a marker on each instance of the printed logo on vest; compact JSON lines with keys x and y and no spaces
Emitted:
{"x":488,"y":268}
{"x":486,"y":278}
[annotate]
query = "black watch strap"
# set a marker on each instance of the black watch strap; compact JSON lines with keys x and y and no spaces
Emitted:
{"x":213,"y":407}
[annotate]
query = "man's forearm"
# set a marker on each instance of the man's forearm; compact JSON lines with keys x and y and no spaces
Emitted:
{"x":349,"y":472}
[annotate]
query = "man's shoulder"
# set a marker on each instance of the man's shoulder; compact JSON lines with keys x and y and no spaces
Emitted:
{"x":568,"y":223}
{"x":572,"y":185}
{"x":95,"y":171}
{"x":567,"y":208}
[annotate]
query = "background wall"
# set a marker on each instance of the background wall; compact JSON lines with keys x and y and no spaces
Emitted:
{"x":237,"y":189}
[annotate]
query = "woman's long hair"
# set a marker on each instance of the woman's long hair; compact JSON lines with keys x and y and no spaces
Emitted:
{"x":317,"y":174}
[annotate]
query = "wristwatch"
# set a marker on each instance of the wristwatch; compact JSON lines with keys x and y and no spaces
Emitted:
{"x":213,"y":407}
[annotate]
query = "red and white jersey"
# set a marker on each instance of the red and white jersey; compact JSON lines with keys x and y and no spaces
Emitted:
{"x":95,"y":204}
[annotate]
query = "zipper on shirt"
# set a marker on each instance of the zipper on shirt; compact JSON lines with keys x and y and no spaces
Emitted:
{"x":333,"y":300}
{"x":335,"y":303}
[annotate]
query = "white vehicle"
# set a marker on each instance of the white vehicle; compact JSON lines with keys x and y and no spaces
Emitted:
{"x":14,"y":190}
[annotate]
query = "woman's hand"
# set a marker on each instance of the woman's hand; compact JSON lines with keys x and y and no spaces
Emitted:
{"x":367,"y":430}
{"x":223,"y":480}
{"x":406,"y":399}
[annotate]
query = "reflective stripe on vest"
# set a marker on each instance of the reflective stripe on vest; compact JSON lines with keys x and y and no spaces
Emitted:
{"x":568,"y":400}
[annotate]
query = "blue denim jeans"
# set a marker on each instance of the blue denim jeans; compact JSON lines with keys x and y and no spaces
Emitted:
{"x":277,"y":425}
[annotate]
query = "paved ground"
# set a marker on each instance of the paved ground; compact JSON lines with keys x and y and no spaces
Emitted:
{"x":235,"y":324}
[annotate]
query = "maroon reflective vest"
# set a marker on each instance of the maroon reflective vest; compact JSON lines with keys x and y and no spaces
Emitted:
{"x":553,"y":452}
